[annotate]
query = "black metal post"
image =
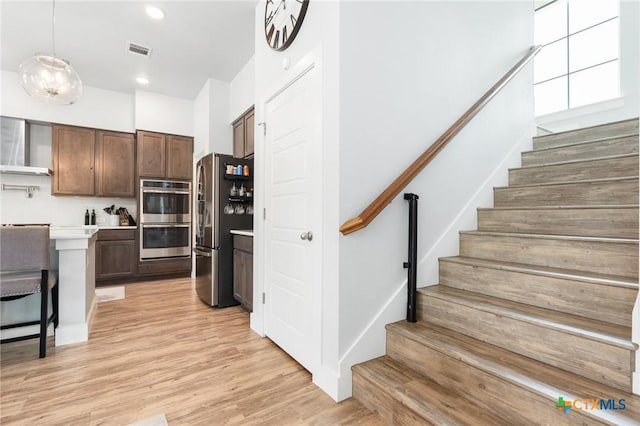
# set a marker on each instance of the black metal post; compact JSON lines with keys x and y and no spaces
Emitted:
{"x":412,"y":263}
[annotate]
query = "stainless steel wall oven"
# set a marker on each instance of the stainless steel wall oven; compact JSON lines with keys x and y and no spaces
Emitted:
{"x":165,"y":219}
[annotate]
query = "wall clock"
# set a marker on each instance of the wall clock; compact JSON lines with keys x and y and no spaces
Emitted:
{"x":282,"y":21}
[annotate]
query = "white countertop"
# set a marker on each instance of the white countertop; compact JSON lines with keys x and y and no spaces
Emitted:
{"x":245,"y":232}
{"x":71,"y":232}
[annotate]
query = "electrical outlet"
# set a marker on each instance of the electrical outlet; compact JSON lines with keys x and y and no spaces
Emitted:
{"x":101,"y":220}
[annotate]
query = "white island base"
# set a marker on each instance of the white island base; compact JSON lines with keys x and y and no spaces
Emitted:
{"x":76,"y":282}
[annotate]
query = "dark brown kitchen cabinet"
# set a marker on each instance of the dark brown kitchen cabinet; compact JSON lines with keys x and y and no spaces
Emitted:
{"x":92,"y":162}
{"x":243,"y":271}
{"x":164,"y":156}
{"x":179,"y":157}
{"x":115,"y":164}
{"x":243,"y":135}
{"x":115,"y":254}
{"x":73,"y":160}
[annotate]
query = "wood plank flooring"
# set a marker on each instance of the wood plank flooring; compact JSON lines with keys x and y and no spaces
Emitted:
{"x":162,"y":351}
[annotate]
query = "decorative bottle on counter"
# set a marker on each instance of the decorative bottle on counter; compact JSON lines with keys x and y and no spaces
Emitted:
{"x":93,"y":216}
{"x":86,"y":217}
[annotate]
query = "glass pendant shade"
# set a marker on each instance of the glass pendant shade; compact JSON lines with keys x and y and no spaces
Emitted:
{"x":50,"y":79}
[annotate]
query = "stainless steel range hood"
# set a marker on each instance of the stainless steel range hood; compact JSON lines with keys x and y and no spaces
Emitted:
{"x":14,"y":148}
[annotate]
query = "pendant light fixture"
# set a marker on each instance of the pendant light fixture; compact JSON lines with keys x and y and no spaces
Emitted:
{"x":48,"y":78}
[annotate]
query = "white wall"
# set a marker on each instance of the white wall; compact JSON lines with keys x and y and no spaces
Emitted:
{"x":400,"y":89}
{"x":98,"y":108}
{"x":628,"y":104}
{"x":220,"y":129}
{"x":164,"y":114}
{"x":242,"y":89}
{"x":201,"y":127}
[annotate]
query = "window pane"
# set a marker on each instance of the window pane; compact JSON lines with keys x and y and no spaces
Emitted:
{"x":594,"y":46}
{"x":551,"y":61}
{"x":594,"y":84}
{"x":585,"y":13}
{"x":551,"y":22}
{"x":551,"y":96}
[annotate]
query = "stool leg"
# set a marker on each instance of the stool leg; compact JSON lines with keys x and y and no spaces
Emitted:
{"x":44,"y":299}
{"x":54,"y":301}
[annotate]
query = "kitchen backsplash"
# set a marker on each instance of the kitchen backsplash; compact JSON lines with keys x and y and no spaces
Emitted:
{"x":15,"y":207}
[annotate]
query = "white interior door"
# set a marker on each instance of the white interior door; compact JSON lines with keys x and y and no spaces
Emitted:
{"x":293,"y":221}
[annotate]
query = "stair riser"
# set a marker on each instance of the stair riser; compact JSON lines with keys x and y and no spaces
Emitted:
{"x":602,"y":302}
{"x":566,"y":172}
{"x":600,"y":132}
{"x":486,"y":390}
{"x":605,"y":257}
{"x":374,"y":397}
{"x":589,"y":358}
{"x":586,"y":151}
{"x":599,"y":193}
{"x":606,"y":222}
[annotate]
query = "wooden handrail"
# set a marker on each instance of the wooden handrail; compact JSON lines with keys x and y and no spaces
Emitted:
{"x":375,"y":208}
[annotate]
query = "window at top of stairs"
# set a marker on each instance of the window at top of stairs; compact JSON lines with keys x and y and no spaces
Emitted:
{"x":579,"y":64}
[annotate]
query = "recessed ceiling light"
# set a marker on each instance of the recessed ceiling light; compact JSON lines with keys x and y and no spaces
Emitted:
{"x":154,"y":12}
{"x":142,"y":80}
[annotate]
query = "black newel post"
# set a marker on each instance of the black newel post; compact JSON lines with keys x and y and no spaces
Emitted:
{"x":412,"y":263}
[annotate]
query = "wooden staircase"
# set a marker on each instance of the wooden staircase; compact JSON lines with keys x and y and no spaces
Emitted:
{"x":538,"y":304}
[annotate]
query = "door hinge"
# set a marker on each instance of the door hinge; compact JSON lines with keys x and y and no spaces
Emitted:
{"x":264,"y":213}
{"x":264,"y":298}
{"x":264,"y":127}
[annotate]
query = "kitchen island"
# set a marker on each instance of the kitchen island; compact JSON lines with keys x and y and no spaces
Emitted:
{"x":76,"y":281}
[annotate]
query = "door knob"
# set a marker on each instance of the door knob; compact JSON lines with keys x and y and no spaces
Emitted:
{"x":306,"y":236}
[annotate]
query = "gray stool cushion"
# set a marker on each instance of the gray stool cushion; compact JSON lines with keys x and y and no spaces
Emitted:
{"x":23,"y":283}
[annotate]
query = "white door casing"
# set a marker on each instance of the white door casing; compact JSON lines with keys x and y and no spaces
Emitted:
{"x":293,"y":202}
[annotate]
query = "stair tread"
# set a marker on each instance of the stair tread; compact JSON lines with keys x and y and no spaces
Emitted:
{"x":553,"y":237}
{"x":431,"y":401}
{"x":585,"y":207}
{"x":597,"y":126}
{"x":545,"y":380}
{"x":589,"y":160}
{"x":571,"y":144}
{"x":612,"y":334}
{"x":604,"y":279}
{"x":570,"y":182}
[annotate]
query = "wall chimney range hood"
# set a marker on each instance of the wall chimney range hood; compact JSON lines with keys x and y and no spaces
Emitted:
{"x":14,"y":148}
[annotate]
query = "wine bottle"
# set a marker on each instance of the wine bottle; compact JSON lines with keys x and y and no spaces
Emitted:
{"x":86,"y":217}
{"x":93,"y":216}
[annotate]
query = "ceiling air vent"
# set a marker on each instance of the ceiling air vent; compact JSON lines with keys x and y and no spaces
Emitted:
{"x":138,"y":49}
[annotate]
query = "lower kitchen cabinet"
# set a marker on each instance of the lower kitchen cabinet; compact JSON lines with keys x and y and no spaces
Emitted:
{"x":243,"y":271}
{"x":115,"y":254}
{"x":176,"y":266}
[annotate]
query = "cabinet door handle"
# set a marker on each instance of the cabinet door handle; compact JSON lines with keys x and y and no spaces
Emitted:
{"x":306,"y":236}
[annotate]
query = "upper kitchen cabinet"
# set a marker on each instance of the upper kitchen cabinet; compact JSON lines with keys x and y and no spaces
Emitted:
{"x":93,"y":162}
{"x":179,"y":157}
{"x":164,"y":156}
{"x":73,"y":158}
{"x":243,"y":135}
{"x":115,"y":164}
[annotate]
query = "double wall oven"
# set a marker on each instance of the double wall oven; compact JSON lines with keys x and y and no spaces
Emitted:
{"x":165,"y":219}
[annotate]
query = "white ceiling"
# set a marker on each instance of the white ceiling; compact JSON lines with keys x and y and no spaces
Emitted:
{"x":195,"y":41}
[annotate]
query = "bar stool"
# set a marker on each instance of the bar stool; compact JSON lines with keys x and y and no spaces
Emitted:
{"x":24,"y":270}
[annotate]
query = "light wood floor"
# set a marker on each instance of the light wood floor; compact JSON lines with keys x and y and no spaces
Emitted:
{"x":162,"y":351}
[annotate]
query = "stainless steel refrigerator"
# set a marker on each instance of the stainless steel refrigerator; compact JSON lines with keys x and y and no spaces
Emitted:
{"x":215,"y":197}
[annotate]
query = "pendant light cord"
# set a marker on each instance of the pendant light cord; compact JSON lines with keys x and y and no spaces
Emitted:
{"x":53,"y":28}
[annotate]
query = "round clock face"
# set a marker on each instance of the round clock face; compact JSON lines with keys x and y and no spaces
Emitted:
{"x":282,"y":21}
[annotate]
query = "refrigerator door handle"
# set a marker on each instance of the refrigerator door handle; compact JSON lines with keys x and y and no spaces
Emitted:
{"x":201,"y":253}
